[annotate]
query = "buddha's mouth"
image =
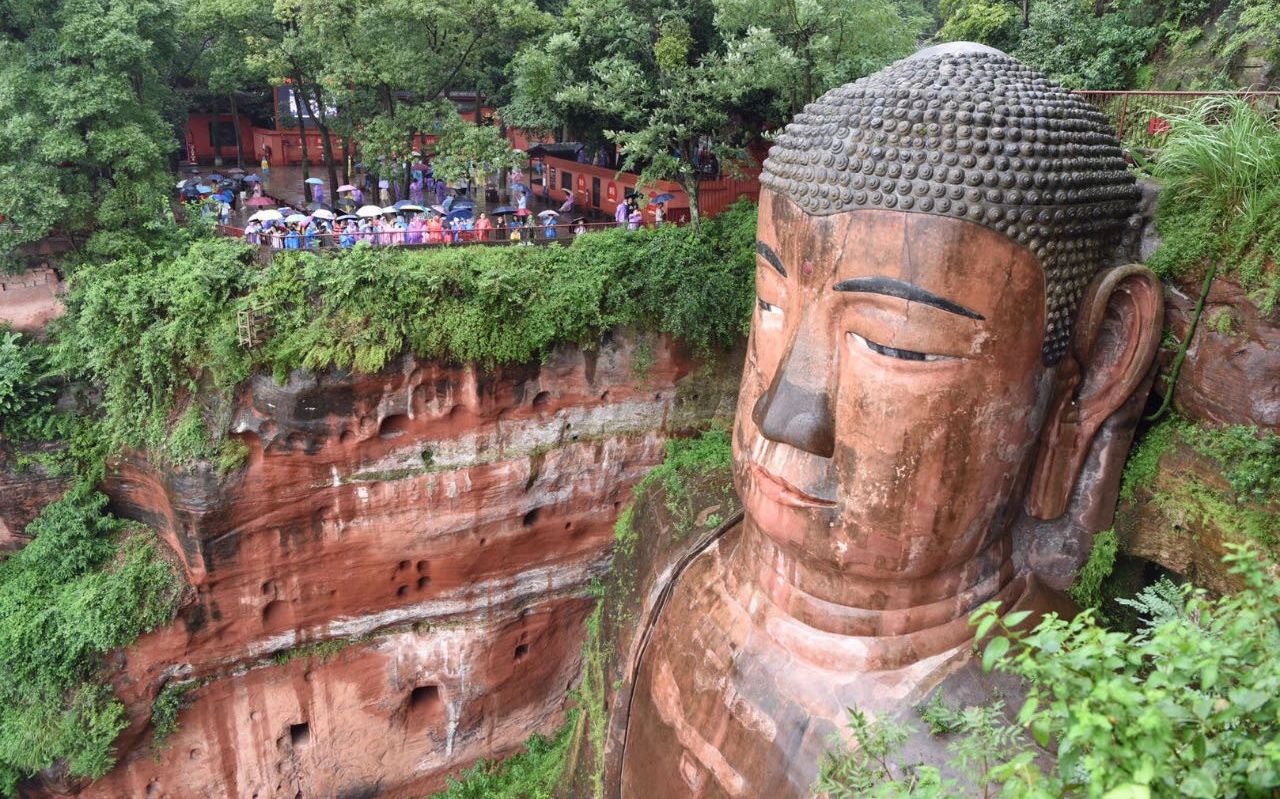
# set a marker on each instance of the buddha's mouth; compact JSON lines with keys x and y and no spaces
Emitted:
{"x":783,"y":493}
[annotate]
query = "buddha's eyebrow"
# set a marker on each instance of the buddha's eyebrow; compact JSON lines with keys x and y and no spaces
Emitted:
{"x":906,"y":291}
{"x":772,"y":257}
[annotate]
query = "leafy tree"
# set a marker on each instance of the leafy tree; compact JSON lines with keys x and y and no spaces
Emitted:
{"x":1081,"y":48}
{"x":85,"y":112}
{"x":466,"y":151}
{"x":820,"y":44}
{"x":994,"y":22}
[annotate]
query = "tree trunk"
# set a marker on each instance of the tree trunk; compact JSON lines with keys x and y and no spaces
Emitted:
{"x":235,"y":126}
{"x":326,"y":143}
{"x":689,"y":182}
{"x":1026,"y":14}
{"x":303,"y":113}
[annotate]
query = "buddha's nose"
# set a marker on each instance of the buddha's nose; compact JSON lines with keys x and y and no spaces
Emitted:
{"x":796,"y":409}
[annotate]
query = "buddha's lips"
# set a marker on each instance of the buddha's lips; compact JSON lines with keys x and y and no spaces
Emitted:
{"x":783,"y":493}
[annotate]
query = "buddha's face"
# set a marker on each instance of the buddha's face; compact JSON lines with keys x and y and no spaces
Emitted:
{"x":893,"y":390}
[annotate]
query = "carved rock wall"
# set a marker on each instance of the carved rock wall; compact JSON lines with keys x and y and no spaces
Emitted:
{"x":436,"y":525}
{"x":1232,"y":371}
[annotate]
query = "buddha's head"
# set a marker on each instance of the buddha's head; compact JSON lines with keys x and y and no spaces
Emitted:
{"x":936,"y":341}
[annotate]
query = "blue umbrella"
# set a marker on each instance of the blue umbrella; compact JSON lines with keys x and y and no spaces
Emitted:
{"x":460,"y":204}
{"x":460,"y":213}
{"x":665,"y":197}
{"x":345,"y":217}
{"x":225,"y":196}
{"x":214,"y":177}
{"x":503,"y":209}
{"x":203,"y":189}
{"x":401,"y":204}
{"x":314,"y":181}
{"x":252,"y":179}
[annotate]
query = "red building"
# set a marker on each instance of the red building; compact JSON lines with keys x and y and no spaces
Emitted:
{"x":212,"y":136}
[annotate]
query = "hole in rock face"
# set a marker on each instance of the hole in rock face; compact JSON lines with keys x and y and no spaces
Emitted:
{"x":402,"y":590}
{"x":404,"y":564}
{"x":542,"y":398}
{"x":274,"y":612}
{"x":531,"y":517}
{"x":424,"y":705}
{"x":604,"y":396}
{"x":423,"y":582}
{"x":521,"y":651}
{"x":300,"y":734}
{"x":424,"y":697}
{"x":423,"y":565}
{"x":568,"y":525}
{"x":393,"y":426}
{"x":347,"y":437}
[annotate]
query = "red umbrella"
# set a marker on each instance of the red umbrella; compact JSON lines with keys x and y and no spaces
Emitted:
{"x":522,"y":212}
{"x":260,"y":202}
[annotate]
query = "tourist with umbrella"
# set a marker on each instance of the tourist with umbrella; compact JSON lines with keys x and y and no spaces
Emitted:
{"x":549,"y":221}
{"x":317,"y":189}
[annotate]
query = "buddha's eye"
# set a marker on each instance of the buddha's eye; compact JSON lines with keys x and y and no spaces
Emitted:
{"x":894,"y":352}
{"x":768,"y":307}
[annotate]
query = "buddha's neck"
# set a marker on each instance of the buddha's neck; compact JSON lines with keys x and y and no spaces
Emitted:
{"x":837,"y":604}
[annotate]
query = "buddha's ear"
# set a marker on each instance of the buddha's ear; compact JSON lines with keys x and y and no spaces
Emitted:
{"x":1116,"y":336}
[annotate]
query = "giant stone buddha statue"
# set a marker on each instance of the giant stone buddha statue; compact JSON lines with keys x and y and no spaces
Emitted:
{"x":939,"y":337}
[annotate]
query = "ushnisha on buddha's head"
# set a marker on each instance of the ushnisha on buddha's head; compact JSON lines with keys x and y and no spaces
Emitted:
{"x":937,"y":337}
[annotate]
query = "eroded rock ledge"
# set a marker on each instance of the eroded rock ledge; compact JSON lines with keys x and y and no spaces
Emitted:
{"x":431,"y":530}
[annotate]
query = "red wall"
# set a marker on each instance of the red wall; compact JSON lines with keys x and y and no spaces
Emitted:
{"x":715,"y":195}
{"x":200,"y":148}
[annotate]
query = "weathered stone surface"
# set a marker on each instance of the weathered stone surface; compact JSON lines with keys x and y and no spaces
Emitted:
{"x":1232,"y":371}
{"x":30,"y":299}
{"x":22,"y":494}
{"x":454,"y":516}
{"x":1185,"y":518}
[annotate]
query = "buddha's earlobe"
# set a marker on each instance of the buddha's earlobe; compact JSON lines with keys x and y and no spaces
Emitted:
{"x":1116,"y":336}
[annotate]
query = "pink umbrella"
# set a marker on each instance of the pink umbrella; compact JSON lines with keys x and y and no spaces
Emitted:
{"x":259,"y":202}
{"x":346,"y":187}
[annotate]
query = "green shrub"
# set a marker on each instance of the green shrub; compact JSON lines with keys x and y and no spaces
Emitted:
{"x":85,"y":585}
{"x":26,"y":393}
{"x":165,"y":709}
{"x":1188,"y":707}
{"x":1220,"y":170}
{"x":532,"y":774}
{"x":685,"y":458}
{"x":1087,"y":589}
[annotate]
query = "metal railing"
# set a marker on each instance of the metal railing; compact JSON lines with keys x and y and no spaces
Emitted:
{"x":1141,"y":117}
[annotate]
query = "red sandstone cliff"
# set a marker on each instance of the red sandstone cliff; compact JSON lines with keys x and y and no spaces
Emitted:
{"x":440,"y":525}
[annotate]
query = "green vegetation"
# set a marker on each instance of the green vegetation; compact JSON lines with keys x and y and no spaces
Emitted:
{"x":85,"y":125}
{"x":26,"y":393}
{"x":981,"y":739}
{"x":1220,"y":169}
{"x":1249,"y":460}
{"x":685,"y":458}
{"x":323,"y":651}
{"x":532,"y":774}
{"x":165,"y":709}
{"x":153,"y":328}
{"x":1185,"y":707}
{"x":1087,"y":589}
{"x":87,"y":584}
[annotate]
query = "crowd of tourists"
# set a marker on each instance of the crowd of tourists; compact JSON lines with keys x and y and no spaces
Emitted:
{"x":372,"y":211}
